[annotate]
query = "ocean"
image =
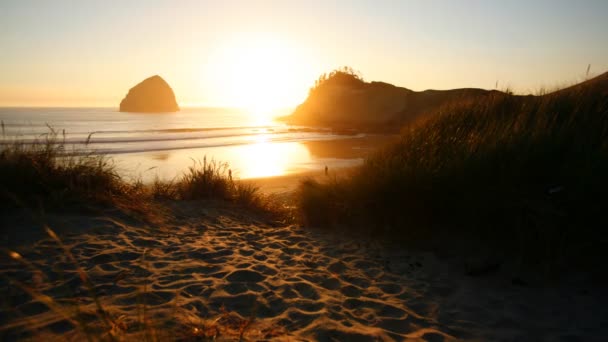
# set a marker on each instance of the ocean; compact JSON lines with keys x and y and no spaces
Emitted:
{"x":164,"y":145}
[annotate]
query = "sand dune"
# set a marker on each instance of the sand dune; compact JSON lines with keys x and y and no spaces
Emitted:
{"x":213,"y":272}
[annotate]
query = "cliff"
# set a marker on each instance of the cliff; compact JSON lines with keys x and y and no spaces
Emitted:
{"x":343,"y":100}
{"x":152,"y":95}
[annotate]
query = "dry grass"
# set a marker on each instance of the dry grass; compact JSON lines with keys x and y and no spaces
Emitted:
{"x":213,"y":180}
{"x":526,"y":175}
{"x":43,"y":172}
{"x":44,"y":175}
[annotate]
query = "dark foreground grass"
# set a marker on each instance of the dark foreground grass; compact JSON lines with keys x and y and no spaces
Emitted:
{"x":42,"y":172}
{"x":525,"y":176}
{"x":45,"y":175}
{"x":213,"y":180}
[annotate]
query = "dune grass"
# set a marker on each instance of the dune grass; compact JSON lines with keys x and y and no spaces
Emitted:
{"x":211,"y":179}
{"x":526,"y":175}
{"x":46,"y":175}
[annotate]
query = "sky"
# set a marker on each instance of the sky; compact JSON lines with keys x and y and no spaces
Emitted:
{"x":266,"y":54}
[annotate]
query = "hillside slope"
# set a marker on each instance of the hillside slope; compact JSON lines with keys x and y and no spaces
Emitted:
{"x":344,"y":100}
{"x":521,"y":176}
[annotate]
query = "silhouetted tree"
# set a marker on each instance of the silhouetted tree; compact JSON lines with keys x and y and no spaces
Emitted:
{"x":342,"y":76}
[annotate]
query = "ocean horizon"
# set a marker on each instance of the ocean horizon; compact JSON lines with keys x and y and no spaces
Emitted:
{"x":163,"y":145}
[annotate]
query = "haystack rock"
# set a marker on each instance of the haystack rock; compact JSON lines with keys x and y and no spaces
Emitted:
{"x":152,"y":95}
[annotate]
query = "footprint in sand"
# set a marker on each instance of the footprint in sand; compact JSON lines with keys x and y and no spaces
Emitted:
{"x":246,"y":276}
{"x":311,"y":285}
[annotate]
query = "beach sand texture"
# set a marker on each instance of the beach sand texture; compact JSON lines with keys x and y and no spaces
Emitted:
{"x":219,"y":273}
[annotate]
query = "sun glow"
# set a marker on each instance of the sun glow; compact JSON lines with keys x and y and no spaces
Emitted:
{"x":259,"y":73}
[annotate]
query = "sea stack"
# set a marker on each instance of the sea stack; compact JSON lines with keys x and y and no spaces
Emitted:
{"x":152,"y":95}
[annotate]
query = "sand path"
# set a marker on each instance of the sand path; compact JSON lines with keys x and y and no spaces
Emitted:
{"x":222,"y":275}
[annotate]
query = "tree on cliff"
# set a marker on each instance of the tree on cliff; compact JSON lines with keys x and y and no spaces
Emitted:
{"x":345,"y":76}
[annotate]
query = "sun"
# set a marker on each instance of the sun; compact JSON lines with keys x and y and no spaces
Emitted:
{"x":260,"y":73}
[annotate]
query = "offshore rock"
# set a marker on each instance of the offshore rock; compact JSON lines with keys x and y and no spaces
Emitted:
{"x":152,"y":95}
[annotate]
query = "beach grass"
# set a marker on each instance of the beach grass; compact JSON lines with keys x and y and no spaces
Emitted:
{"x":45,"y":174}
{"x":522,"y":174}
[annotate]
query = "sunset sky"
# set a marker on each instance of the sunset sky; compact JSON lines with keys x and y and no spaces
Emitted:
{"x":266,"y":54}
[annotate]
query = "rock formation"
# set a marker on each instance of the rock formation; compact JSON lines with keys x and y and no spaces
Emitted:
{"x":345,"y":101}
{"x":152,"y":95}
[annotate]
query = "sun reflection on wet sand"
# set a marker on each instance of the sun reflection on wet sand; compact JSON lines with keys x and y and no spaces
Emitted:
{"x":264,"y":159}
{"x":261,"y":159}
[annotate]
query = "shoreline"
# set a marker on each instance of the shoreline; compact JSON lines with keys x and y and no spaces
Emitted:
{"x":248,"y":161}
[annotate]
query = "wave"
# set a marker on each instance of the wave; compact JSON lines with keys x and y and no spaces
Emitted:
{"x":180,"y":134}
{"x":104,"y":131}
{"x":125,"y":150}
{"x":46,"y":128}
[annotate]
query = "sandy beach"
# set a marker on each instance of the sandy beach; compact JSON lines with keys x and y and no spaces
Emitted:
{"x":211,"y":271}
{"x":355,"y":171}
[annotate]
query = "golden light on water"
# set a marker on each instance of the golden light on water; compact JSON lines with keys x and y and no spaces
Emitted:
{"x":256,"y":160}
{"x":266,"y":159}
